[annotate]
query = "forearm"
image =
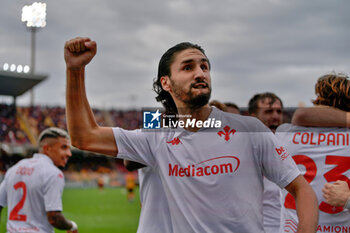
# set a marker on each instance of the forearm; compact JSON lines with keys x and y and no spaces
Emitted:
{"x":307,"y":211}
{"x":80,"y":118}
{"x":85,"y":133}
{"x":306,"y":203}
{"x":321,"y":116}
{"x":57,"y":220}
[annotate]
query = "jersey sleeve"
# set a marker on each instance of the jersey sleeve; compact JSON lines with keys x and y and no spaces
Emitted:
{"x":3,"y":193}
{"x":53,"y":190}
{"x":277,"y":165}
{"x":134,"y":145}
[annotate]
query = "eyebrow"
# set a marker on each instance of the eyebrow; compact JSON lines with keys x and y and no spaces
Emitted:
{"x":192,"y":60}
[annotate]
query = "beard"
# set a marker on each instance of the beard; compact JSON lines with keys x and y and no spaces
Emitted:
{"x":191,"y":100}
{"x":198,"y":101}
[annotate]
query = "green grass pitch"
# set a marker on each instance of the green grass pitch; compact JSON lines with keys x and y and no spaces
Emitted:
{"x":102,"y":211}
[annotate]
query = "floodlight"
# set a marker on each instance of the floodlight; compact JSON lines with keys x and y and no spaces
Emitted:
{"x":26,"y":69}
{"x":19,"y":69}
{"x":34,"y":15}
{"x":6,"y":67}
{"x":12,"y":67}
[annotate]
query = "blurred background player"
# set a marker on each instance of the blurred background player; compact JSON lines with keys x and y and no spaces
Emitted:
{"x":232,"y":108}
{"x":322,"y":155}
{"x":218,"y":105}
{"x":226,"y":107}
{"x":268,"y":108}
{"x":130,"y":184}
{"x":32,"y":188}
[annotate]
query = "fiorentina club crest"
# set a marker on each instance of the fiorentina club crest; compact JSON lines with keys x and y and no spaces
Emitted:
{"x":226,"y":133}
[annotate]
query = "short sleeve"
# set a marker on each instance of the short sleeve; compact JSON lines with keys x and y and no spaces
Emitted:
{"x":135,"y":145}
{"x":278,"y":166}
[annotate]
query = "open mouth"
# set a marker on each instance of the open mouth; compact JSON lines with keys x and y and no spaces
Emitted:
{"x":200,"y":85}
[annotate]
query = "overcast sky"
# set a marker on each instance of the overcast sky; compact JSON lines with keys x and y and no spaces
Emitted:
{"x":281,"y":46}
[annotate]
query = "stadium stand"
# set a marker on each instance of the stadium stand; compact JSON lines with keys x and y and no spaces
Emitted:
{"x":18,"y":139}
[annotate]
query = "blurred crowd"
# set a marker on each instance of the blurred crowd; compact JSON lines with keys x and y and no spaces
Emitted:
{"x":20,"y":127}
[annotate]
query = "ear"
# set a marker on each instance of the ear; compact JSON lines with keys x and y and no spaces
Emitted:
{"x":165,"y":81}
{"x":46,"y":148}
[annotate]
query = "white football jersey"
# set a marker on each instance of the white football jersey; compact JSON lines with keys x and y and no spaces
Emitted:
{"x":212,"y":178}
{"x":323,"y":156}
{"x":31,"y":188}
{"x":271,"y":206}
{"x":155,"y":215}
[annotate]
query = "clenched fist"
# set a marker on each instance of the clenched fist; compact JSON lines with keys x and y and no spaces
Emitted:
{"x":336,"y":194}
{"x":78,"y":52}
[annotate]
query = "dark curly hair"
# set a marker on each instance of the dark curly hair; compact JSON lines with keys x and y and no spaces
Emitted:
{"x":333,"y":90}
{"x":164,"y":70}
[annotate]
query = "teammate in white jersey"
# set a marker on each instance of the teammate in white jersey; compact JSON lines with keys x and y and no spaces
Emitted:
{"x":268,"y":108}
{"x":212,"y":178}
{"x":321,"y":154}
{"x":32,"y":188}
{"x":155,"y":215}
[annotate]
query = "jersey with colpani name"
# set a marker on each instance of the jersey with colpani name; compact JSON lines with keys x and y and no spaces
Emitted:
{"x":155,"y":215}
{"x":322,"y":155}
{"x":213,"y":178}
{"x":31,"y":188}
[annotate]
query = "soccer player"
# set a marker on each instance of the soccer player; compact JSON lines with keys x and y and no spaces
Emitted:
{"x":232,"y":108}
{"x":130,"y":186}
{"x":32,"y":188}
{"x":153,"y":200}
{"x":268,"y":108}
{"x":212,"y":177}
{"x":322,"y":155}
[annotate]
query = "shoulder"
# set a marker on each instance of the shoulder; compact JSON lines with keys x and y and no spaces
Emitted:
{"x":244,"y":123}
{"x":285,"y":128}
{"x":49,"y":171}
{"x":14,"y":168}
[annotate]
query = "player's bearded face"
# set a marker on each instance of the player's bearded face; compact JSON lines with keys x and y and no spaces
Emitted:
{"x":190,"y":82}
{"x":194,"y":96}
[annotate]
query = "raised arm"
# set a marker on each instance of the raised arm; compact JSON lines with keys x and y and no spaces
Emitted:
{"x":57,"y":220}
{"x":306,"y":203}
{"x":85,"y":133}
{"x":323,"y":116}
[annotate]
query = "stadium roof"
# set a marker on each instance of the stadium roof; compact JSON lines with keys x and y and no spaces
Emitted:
{"x":16,"y":84}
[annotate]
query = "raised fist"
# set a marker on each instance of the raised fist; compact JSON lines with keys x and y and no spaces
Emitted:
{"x":78,"y":52}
